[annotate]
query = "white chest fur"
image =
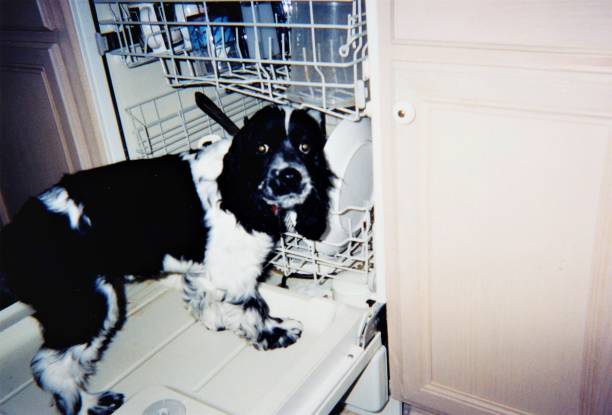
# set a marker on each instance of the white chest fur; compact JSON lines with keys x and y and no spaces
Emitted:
{"x":233,"y":257}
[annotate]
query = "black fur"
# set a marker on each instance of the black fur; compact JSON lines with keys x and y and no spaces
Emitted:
{"x":139,"y":211}
{"x":108,"y":402}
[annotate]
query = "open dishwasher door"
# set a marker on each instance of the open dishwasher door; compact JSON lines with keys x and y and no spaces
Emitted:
{"x":165,"y":357}
{"x":223,"y":373}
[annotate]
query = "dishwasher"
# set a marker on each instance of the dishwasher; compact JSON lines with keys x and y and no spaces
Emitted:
{"x":145,"y":61}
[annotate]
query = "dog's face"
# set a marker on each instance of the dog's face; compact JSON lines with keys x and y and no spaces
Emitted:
{"x":286,"y":157}
{"x":277,"y":165}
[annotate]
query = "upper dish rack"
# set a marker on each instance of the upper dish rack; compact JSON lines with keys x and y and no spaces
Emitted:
{"x":310,"y":53}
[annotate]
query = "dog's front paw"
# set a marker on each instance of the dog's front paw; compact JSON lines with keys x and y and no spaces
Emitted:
{"x":278,"y":333}
{"x":212,"y":317}
{"x":108,"y":402}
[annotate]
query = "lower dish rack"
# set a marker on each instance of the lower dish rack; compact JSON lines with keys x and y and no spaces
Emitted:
{"x":172,"y":123}
{"x":351,"y":260}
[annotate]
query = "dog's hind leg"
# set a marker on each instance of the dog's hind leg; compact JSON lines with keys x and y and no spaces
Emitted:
{"x":64,"y":371}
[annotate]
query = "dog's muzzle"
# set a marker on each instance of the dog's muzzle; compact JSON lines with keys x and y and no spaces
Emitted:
{"x":286,"y":181}
{"x":287,"y":187}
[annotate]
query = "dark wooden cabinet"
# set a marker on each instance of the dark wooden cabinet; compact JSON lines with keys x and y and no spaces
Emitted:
{"x":47,"y":122}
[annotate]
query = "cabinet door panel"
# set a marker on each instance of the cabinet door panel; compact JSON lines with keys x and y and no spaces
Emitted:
{"x":27,"y":15}
{"x":562,"y":24}
{"x":500,"y":253}
{"x":505,"y":226}
{"x":48,"y":123}
{"x":35,"y":152}
{"x":495,"y":206}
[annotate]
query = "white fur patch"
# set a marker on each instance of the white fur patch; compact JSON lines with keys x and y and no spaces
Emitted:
{"x":194,"y":272}
{"x":57,"y":200}
{"x":173,"y":265}
{"x":58,"y":373}
{"x":288,"y":110}
{"x":208,"y":139}
{"x":234,"y":257}
{"x":91,"y":353}
{"x":208,"y":162}
{"x":290,"y":220}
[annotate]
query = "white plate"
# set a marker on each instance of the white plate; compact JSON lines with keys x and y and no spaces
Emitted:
{"x":349,"y":152}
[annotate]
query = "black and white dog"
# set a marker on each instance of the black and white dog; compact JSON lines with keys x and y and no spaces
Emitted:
{"x":213,"y":215}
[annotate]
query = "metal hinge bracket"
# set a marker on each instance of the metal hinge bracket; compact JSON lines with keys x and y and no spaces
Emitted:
{"x":372,"y":323}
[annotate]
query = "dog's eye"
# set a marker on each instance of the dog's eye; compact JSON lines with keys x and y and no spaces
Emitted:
{"x":305,"y":148}
{"x":262,"y":149}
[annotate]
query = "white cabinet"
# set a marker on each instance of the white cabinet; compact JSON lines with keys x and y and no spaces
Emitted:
{"x":496,"y":203}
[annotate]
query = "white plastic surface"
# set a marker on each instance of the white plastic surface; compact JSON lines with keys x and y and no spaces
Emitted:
{"x":351,"y":290}
{"x":159,"y":400}
{"x":371,"y":392}
{"x":161,"y":345}
{"x":166,"y":406}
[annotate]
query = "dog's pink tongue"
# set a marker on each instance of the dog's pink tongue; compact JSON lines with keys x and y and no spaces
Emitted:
{"x":274,"y":209}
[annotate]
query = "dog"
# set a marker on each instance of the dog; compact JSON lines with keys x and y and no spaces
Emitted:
{"x":213,"y":215}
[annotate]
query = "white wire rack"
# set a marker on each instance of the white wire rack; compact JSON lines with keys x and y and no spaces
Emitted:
{"x":309,"y":53}
{"x":172,"y":123}
{"x":324,"y":260}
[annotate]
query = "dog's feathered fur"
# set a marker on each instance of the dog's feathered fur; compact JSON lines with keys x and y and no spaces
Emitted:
{"x":212,"y":215}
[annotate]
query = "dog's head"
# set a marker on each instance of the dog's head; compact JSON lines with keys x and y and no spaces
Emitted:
{"x":275,"y":173}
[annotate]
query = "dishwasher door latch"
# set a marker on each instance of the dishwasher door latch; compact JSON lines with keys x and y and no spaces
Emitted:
{"x":102,"y":44}
{"x":373,"y":322}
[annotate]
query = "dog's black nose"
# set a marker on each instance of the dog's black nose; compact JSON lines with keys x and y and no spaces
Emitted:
{"x":289,"y":180}
{"x":290,"y":176}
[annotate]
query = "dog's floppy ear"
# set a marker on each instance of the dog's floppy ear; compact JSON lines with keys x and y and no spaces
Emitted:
{"x":312,"y":217}
{"x":320,"y":118}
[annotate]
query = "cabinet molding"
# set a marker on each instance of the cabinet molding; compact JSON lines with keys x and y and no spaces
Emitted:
{"x":555,"y":26}
{"x":31,"y":15}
